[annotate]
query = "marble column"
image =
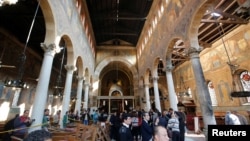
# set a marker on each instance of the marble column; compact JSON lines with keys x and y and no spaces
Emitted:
{"x":43,"y":84}
{"x":146,"y":86}
{"x":91,"y":101}
{"x":79,"y":94}
{"x":202,"y":89}
{"x":156,"y":93}
{"x":86,"y":95}
{"x":171,"y":92}
{"x":67,"y":91}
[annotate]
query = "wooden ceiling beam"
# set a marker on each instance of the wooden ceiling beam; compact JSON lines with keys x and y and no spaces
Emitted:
{"x":116,"y":33}
{"x":224,"y":21}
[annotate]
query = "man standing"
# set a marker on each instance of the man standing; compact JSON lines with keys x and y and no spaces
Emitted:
{"x":146,"y":128}
{"x":45,"y":125}
{"x":124,"y":131}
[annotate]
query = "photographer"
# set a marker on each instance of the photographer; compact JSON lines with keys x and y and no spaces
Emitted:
{"x":21,"y":125}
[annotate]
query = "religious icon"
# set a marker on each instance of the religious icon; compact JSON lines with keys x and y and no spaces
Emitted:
{"x":245,"y":80}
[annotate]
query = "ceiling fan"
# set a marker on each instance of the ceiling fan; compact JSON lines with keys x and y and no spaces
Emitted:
{"x":5,"y":66}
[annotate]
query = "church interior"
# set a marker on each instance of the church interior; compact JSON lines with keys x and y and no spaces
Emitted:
{"x":128,"y":55}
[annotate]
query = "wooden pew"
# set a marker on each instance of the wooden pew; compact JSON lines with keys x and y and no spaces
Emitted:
{"x":103,"y":133}
{"x":83,"y":133}
{"x":86,"y":132}
{"x":2,"y":129}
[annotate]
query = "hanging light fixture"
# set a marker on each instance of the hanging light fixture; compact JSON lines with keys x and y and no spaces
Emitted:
{"x":58,"y":87}
{"x":19,"y":83}
{"x":183,"y":90}
{"x":233,"y":67}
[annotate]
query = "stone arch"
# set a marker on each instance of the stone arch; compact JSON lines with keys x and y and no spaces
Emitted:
{"x":126,"y":63}
{"x":86,"y":75}
{"x":155,"y":67}
{"x":115,"y":88}
{"x":79,"y":65}
{"x":49,"y":22}
{"x":70,"y":53}
{"x":147,"y":76}
{"x":106,"y":61}
{"x":170,"y":48}
{"x":195,"y":22}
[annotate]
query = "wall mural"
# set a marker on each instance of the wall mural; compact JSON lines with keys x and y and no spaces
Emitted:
{"x":224,"y":91}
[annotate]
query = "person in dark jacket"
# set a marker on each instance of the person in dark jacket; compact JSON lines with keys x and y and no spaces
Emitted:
{"x":146,"y":128}
{"x":9,"y":126}
{"x":124,"y":131}
{"x":114,"y":125}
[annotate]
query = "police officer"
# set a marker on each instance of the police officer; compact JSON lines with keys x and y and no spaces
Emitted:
{"x":125,"y":131}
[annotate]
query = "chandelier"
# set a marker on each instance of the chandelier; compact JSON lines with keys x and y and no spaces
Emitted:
{"x":19,"y":83}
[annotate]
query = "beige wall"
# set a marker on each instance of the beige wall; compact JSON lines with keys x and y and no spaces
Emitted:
{"x":214,"y":63}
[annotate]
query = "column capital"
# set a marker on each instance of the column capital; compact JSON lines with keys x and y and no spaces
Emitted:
{"x":140,"y":86}
{"x":70,"y":67}
{"x":90,"y":87}
{"x":169,"y":68}
{"x":79,"y":78}
{"x":193,"y":52}
{"x":50,"y":48}
{"x":86,"y":84}
{"x":146,"y":84}
{"x":155,"y":78}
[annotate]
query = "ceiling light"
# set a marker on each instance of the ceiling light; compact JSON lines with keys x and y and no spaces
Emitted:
{"x":215,"y":14}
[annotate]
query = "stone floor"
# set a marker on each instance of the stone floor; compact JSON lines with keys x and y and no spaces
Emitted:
{"x":191,"y":136}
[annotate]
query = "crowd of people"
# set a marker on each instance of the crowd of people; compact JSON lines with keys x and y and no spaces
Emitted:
{"x":147,"y":126}
{"x":135,"y":125}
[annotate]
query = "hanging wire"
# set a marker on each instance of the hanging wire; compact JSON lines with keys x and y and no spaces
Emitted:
{"x":59,"y":79}
{"x":233,"y":68}
{"x":23,"y":56}
{"x":222,"y":34}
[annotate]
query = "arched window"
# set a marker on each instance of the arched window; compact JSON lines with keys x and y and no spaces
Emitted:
{"x":245,"y":81}
{"x":212,"y":93}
